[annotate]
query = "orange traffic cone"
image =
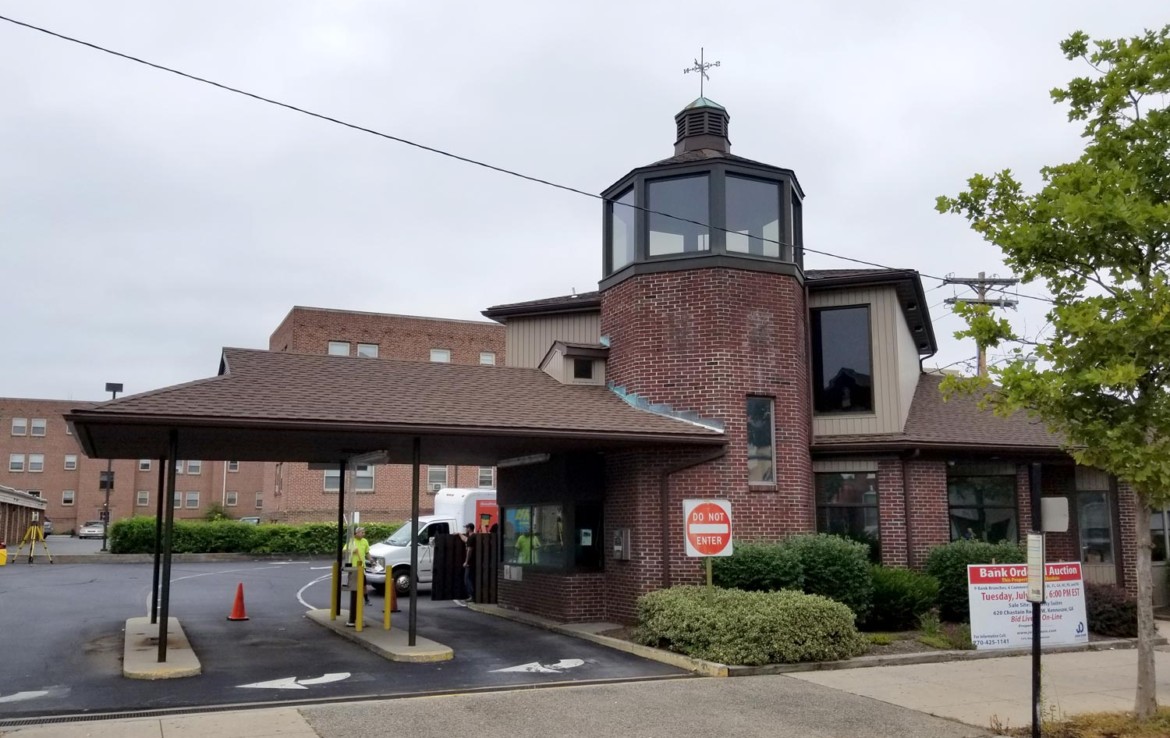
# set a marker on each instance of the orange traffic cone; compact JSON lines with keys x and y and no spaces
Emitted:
{"x":393,"y":596}
{"x":238,"y":612}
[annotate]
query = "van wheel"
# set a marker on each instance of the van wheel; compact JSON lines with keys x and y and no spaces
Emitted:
{"x":402,"y":581}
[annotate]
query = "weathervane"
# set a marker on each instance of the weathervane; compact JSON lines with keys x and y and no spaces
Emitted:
{"x":701,"y":66}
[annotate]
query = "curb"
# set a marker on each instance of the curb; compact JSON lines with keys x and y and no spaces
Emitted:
{"x":713,"y":669}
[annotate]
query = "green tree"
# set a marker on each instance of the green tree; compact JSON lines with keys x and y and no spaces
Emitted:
{"x":1097,"y":233}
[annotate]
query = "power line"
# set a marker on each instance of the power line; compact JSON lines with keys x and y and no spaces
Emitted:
{"x":433,"y":150}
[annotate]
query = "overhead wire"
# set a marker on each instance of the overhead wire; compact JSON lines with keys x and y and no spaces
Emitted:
{"x":438,"y":151}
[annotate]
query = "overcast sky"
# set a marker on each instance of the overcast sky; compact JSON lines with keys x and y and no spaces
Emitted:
{"x":147,"y":221}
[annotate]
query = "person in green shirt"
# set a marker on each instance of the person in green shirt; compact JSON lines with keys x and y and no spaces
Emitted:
{"x":359,"y":551}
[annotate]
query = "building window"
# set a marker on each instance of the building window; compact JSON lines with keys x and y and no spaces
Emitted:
{"x":339,"y":348}
{"x":363,"y":478}
{"x":233,"y":466}
{"x":67,"y":497}
{"x":753,"y":216}
{"x":192,"y":500}
{"x":70,"y":462}
{"x":259,"y":501}
{"x":178,"y":499}
{"x":842,"y":367}
{"x":622,"y":220}
{"x":179,"y":466}
{"x":847,"y":505}
{"x":441,"y":356}
{"x":33,"y":493}
{"x":487,"y":357}
{"x":20,"y":426}
{"x":38,"y":426}
{"x":436,"y":478}
{"x":144,"y":465}
{"x":332,"y":480}
{"x":1096,"y":527}
{"x":487,"y":477}
{"x":982,"y":506}
{"x":760,"y":443}
{"x":143,"y":498}
{"x":684,"y":198}
{"x":582,"y":368}
{"x":194,"y":467}
{"x":231,"y":499}
{"x":36,"y":462}
{"x":1159,"y":535}
{"x":535,"y":535}
{"x":367,"y":350}
{"x":16,"y":462}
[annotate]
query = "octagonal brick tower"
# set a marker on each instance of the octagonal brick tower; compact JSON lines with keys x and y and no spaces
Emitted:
{"x":705,"y":311}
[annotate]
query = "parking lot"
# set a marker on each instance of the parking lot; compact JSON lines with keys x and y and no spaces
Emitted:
{"x":63,"y":626}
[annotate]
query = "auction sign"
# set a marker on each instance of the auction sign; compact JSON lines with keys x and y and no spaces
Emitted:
{"x":1001,"y":615}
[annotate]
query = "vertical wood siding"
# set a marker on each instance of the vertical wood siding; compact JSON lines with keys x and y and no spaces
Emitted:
{"x":529,"y":339}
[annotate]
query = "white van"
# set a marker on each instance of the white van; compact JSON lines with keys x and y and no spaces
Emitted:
{"x":454,"y":508}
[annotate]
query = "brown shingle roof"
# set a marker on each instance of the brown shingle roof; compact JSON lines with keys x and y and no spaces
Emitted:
{"x":956,"y":423}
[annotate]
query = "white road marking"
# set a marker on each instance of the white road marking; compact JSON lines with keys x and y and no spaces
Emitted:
{"x":301,"y":591}
{"x":294,"y":683}
{"x":24,"y":696}
{"x":536,"y":667}
{"x":209,"y":574}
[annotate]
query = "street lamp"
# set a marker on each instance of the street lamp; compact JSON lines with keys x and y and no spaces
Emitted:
{"x":108,"y":483}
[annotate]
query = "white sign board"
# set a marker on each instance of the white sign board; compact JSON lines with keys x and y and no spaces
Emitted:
{"x":1001,"y":615}
{"x":1036,"y":567}
{"x":707,"y":527}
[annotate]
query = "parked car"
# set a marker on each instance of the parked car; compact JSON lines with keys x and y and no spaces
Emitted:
{"x":48,"y":527}
{"x":92,"y":529}
{"x":250,"y":520}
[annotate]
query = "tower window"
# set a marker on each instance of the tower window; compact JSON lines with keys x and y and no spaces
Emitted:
{"x":621,"y":230}
{"x":680,"y":197}
{"x":753,"y":216}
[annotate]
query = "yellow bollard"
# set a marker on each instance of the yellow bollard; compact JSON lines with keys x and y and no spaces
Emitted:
{"x":3,"y":554}
{"x":333,"y":604}
{"x":360,"y":600}
{"x":386,"y":604}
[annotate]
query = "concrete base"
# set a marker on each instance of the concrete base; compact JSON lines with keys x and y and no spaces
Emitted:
{"x":140,"y":654}
{"x":390,"y":644}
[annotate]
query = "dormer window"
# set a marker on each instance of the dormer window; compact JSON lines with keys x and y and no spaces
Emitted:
{"x":582,"y":368}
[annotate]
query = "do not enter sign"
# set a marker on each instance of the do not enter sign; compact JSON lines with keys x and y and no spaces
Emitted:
{"x":708,"y":527}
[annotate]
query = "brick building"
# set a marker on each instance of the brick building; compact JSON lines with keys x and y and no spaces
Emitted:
{"x":709,"y":363}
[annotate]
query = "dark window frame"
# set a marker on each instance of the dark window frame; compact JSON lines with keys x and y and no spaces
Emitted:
{"x":981,"y":507}
{"x":769,"y":479}
{"x":875,"y":545}
{"x":816,"y":340}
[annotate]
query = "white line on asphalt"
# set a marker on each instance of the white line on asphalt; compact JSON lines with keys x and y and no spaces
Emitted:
{"x":206,"y":574}
{"x":310,"y":584}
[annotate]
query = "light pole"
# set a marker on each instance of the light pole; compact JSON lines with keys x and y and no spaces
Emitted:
{"x":113,"y":388}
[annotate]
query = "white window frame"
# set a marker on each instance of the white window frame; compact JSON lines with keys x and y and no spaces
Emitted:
{"x":233,"y":466}
{"x":39,"y":460}
{"x":191,"y":495}
{"x":179,"y":466}
{"x":70,"y":462}
{"x":144,"y":465}
{"x":178,"y":500}
{"x":231,"y":498}
{"x":16,"y":462}
{"x":491,"y":474}
{"x":433,"y":485}
{"x":361,"y":473}
{"x":68,"y":497}
{"x":487,"y":358}
{"x":259,"y":500}
{"x":367,"y":350}
{"x":20,"y":426}
{"x":332,"y":474}
{"x":441,"y":355}
{"x":142,"y":498}
{"x":194,"y":467}
{"x":333,"y":348}
{"x":38,"y":424}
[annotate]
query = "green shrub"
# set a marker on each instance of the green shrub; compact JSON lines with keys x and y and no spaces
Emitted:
{"x":735,"y":627}
{"x":1111,"y":611}
{"x":759,"y":567}
{"x":136,"y":535}
{"x":948,"y":564}
{"x":837,"y":568}
{"x":900,"y":598}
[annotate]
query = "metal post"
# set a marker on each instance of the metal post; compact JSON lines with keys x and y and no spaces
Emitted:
{"x":1037,"y":527}
{"x":340,"y":534}
{"x":158,"y":525}
{"x":168,"y":537}
{"x":113,"y":388}
{"x":413,"y":621}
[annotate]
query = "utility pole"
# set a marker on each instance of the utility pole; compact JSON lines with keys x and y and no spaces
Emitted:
{"x":982,"y":285}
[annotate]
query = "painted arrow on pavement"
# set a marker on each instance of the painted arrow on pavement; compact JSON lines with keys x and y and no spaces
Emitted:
{"x":294,"y":683}
{"x":536,"y":667}
{"x":24,"y":696}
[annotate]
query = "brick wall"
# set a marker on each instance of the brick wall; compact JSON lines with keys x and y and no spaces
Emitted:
{"x":892,"y":513}
{"x":1127,"y":502}
{"x":930,"y":525}
{"x":569,"y":598}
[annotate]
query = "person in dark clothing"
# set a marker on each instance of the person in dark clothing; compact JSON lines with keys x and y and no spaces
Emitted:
{"x":469,"y":560}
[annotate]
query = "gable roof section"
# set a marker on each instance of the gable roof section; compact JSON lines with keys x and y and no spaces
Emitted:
{"x":955,"y":424}
{"x":299,"y":392}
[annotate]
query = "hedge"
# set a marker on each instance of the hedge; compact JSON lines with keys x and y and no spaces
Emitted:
{"x":731,"y":626}
{"x":759,"y":567}
{"x":948,"y":564}
{"x":1111,"y":611}
{"x":136,"y":535}
{"x":900,"y":598}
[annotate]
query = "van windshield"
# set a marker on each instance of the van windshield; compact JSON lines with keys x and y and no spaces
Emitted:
{"x":400,"y":537}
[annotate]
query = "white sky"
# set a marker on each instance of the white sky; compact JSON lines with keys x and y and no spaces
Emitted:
{"x":146,"y":221}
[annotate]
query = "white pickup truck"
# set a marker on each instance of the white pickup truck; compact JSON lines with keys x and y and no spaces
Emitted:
{"x":454,"y":508}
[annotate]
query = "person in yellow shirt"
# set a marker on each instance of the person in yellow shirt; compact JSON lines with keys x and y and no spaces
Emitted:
{"x":359,"y":551}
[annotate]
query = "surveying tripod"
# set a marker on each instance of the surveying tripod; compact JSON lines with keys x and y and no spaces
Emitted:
{"x":34,"y":533}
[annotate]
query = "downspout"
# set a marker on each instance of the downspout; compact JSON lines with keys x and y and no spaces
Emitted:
{"x":664,"y":504}
{"x":906,"y":504}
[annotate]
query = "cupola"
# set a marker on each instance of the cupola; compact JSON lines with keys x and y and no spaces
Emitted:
{"x":703,"y":207}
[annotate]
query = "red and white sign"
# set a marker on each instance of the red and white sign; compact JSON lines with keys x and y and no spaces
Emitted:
{"x":1001,"y":615}
{"x":708,"y":527}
